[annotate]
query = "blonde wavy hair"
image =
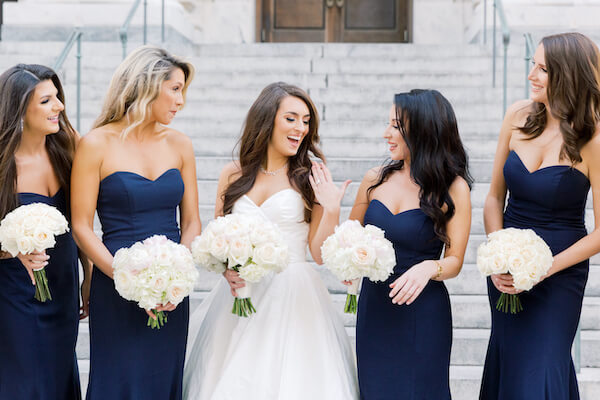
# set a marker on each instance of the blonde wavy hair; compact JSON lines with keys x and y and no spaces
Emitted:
{"x":137,"y":83}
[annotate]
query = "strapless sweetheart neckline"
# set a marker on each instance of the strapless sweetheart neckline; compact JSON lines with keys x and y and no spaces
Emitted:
{"x":271,"y":196}
{"x":544,"y":168}
{"x":139,"y":175}
{"x":398,"y":213}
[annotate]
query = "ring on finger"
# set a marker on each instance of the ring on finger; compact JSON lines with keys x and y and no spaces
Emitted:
{"x":318,"y":181}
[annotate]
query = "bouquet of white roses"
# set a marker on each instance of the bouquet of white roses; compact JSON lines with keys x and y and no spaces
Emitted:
{"x":519,"y":252}
{"x":154,"y":272}
{"x":247,"y":244}
{"x":29,"y":228}
{"x":353,"y":252}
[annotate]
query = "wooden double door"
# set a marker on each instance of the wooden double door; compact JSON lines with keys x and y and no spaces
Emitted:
{"x":333,"y":20}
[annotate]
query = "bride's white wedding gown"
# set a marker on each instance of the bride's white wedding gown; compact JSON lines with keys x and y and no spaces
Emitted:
{"x":294,"y":347}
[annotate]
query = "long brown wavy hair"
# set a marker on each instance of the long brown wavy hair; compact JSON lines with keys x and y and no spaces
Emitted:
{"x":257,"y":132}
{"x":437,"y":156}
{"x":573,"y":65}
{"x":17,"y":85}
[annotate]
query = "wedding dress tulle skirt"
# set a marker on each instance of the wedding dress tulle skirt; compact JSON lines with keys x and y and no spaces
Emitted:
{"x":294,"y":347}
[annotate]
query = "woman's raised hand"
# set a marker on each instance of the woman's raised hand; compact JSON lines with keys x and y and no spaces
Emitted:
{"x":327,"y":194}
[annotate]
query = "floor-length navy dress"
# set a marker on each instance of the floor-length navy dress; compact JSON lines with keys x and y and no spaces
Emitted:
{"x":403,"y":351}
{"x":37,"y":340}
{"x":129,"y":360}
{"x":529,"y":354}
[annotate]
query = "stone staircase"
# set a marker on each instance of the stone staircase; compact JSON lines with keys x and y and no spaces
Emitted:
{"x":353,"y":87}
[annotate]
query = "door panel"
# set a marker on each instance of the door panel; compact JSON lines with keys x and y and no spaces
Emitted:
{"x":375,"y":21}
{"x":293,"y":21}
{"x":334,"y":20}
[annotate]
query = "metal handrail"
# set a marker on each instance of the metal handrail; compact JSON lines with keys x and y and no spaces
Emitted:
{"x":499,"y":9}
{"x":529,"y":50}
{"x":75,"y":36}
{"x":125,"y":27}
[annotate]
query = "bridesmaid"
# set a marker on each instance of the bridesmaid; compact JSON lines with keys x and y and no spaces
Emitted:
{"x":547,"y":158}
{"x":422,"y":201}
{"x":136,"y":172}
{"x":37,"y":144}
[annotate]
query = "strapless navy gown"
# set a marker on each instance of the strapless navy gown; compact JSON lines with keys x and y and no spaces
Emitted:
{"x":37,"y":340}
{"x":129,"y":360}
{"x":403,"y":351}
{"x":529,"y":354}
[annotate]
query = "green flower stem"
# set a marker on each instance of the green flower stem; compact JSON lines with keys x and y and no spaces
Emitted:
{"x":243,"y":307}
{"x":159,"y":322}
{"x":42,"y":291}
{"x":351,"y":304}
{"x":509,"y":302}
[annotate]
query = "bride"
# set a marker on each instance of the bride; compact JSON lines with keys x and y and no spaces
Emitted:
{"x":295,"y":346}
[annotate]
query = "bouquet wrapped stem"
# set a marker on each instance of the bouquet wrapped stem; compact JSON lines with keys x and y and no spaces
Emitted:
{"x":242,"y":305}
{"x":351,"y":303}
{"x":508,"y":302}
{"x":42,"y":291}
{"x":159,"y":322}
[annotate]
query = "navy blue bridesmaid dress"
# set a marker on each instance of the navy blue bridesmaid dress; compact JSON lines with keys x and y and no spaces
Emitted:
{"x":529,"y":353}
{"x":129,"y":360}
{"x":403,"y":351}
{"x":37,"y":340}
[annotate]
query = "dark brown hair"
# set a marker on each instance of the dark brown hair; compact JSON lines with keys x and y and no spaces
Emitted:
{"x":437,"y":156}
{"x":17,"y":85}
{"x":257,"y":132}
{"x":573,"y":65}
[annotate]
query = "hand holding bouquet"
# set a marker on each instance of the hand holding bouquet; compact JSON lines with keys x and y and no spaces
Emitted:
{"x":153,"y":272}
{"x":247,"y":244}
{"x":519,"y":252}
{"x":353,"y":252}
{"x":33,"y":228}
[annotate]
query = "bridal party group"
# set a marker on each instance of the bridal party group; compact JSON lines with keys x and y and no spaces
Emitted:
{"x":139,"y":177}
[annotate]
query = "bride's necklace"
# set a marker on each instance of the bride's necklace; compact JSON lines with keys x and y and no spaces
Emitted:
{"x":272,"y":173}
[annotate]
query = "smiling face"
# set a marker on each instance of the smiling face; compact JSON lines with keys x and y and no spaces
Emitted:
{"x":290,"y":126}
{"x":397,"y":146}
{"x":170,"y":98}
{"x":538,"y":76}
{"x":43,"y":110}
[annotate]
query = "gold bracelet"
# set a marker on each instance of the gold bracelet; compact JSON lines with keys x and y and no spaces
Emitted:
{"x":440,"y":269}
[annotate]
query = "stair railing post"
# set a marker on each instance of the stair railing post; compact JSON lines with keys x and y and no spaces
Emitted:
{"x":494,"y":48}
{"x":78,"y":55}
{"x":145,"y":21}
{"x":484,"y":21}
{"x":162,"y":22}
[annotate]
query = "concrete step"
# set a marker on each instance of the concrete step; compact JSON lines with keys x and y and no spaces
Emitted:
{"x":465,"y":381}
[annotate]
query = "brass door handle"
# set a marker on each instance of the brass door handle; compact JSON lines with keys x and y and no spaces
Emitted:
{"x":339,"y":3}
{"x":329,"y":3}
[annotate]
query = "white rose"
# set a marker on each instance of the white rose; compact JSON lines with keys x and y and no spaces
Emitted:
{"x":265,"y":254}
{"x":124,"y":283}
{"x":523,"y":281}
{"x":177,"y":291}
{"x":253,"y":272}
{"x":219,"y":248}
{"x":240,"y":250}
{"x":329,"y":248}
{"x":363,"y":256}
{"x":25,"y":245}
{"x":42,"y":239}
{"x":374,"y":231}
